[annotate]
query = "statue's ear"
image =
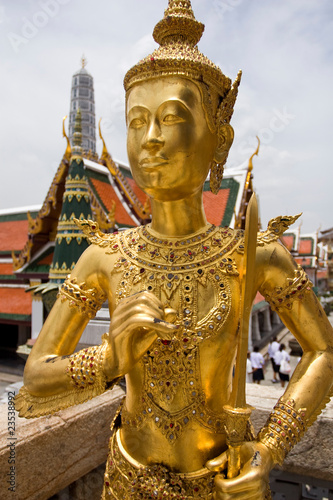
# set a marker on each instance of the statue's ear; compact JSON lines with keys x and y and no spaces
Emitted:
{"x":225,"y":140}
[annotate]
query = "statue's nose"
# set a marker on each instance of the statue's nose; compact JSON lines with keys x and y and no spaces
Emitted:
{"x":153,"y":139}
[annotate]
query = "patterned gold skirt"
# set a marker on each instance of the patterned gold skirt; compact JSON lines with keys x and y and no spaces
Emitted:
{"x":125,"y":478}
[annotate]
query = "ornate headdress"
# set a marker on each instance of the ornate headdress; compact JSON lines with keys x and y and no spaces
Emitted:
{"x":178,"y":34}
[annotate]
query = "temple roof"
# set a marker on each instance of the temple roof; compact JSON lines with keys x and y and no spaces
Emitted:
{"x":15,"y":304}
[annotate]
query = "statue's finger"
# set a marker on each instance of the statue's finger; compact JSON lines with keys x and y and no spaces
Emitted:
{"x":219,"y":463}
{"x":170,"y":314}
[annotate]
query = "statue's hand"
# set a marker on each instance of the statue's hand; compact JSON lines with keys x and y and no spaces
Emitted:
{"x":136,"y":323}
{"x":252,"y":481}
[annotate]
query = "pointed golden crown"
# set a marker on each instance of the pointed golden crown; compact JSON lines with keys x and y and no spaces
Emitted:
{"x":178,"y":34}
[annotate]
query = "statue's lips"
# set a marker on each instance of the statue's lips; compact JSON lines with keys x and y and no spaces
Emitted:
{"x":153,"y":161}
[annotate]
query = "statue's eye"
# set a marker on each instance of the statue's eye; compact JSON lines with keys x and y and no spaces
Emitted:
{"x":136,"y":123}
{"x":171,"y":119}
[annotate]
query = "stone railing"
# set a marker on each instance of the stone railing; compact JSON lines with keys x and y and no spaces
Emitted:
{"x":64,"y":452}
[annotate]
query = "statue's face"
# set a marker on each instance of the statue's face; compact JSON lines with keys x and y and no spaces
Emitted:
{"x":169,"y":144}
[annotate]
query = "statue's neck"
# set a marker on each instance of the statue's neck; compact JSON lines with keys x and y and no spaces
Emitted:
{"x":177,"y":218}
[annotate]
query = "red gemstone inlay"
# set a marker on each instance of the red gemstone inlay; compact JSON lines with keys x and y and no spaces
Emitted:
{"x":166,"y":342}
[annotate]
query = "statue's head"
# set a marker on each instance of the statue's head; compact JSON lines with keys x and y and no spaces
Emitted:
{"x":177,"y":79}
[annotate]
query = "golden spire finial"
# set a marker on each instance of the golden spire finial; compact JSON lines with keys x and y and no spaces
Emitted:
{"x":68,"y":151}
{"x":83,"y":61}
{"x":250,"y":168}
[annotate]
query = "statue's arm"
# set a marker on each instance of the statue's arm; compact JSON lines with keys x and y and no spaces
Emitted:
{"x":289,"y":291}
{"x":54,"y":377}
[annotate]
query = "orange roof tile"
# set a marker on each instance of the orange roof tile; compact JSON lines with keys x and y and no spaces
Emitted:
{"x":6,"y":269}
{"x":215,"y":205}
{"x":13,"y":235}
{"x":46,"y":260}
{"x":107,"y":194}
{"x":139,"y":193}
{"x":288,"y":240}
{"x":15,"y":301}
{"x":258,"y":298}
{"x":302,"y":261}
{"x":305,"y":246}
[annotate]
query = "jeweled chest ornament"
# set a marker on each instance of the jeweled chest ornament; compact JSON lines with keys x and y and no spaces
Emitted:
{"x":177,"y":268}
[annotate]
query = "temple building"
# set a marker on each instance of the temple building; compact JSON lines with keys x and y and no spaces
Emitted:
{"x":312,"y":253}
{"x":326,"y":256}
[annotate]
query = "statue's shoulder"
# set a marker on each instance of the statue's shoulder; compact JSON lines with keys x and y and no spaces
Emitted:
{"x":275,"y":229}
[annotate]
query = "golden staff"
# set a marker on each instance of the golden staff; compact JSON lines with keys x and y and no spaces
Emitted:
{"x":237,"y":411}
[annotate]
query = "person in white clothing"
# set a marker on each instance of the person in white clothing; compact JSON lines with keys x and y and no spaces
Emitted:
{"x":249,"y":370}
{"x":282,"y":360}
{"x":258,"y":363}
{"x":273,"y":347}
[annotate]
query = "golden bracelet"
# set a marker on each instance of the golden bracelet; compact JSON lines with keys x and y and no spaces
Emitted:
{"x":87,"y":300}
{"x":85,"y":367}
{"x":283,"y":429}
{"x":295,"y":289}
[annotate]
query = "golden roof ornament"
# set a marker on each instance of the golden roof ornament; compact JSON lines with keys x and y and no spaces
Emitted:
{"x":178,"y":34}
{"x":83,"y":61}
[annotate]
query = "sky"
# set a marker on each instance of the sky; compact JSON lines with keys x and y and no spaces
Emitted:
{"x":284,"y":48}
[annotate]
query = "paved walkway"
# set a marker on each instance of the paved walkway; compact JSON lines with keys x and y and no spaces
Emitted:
{"x":283,"y":337}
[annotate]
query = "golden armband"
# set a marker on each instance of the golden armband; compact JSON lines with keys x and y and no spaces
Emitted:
{"x":87,"y":300}
{"x":283,"y":429}
{"x":295,"y":288}
{"x":85,"y":370}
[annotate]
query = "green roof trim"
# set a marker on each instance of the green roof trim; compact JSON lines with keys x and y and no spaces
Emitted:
{"x":7,"y":277}
{"x":126,"y":173}
{"x":260,"y":304}
{"x":16,"y":317}
{"x":17,"y":217}
{"x":230,"y":208}
{"x":97,"y":175}
{"x":35,"y":267}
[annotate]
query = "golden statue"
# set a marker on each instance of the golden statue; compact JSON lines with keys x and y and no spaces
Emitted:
{"x":174,"y":289}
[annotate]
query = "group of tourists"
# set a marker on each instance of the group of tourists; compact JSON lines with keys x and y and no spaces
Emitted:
{"x":279,"y":358}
